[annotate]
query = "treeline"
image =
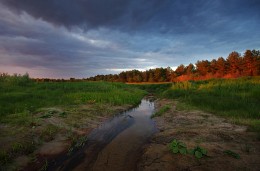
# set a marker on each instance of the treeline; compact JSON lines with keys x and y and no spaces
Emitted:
{"x":235,"y":65}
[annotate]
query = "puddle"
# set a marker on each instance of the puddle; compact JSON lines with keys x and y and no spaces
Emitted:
{"x":114,"y":145}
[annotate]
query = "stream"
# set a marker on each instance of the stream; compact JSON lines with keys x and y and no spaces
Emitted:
{"x":114,"y":145}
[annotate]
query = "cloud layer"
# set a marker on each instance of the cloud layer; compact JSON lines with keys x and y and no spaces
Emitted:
{"x":82,"y":38}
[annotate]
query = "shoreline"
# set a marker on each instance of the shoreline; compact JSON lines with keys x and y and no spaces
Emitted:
{"x":63,"y":138}
{"x":197,"y":128}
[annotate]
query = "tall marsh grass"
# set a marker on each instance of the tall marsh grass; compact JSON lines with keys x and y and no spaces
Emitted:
{"x":235,"y":98}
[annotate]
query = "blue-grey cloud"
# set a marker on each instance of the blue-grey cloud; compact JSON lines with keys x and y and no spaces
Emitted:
{"x":80,"y":38}
{"x":160,"y":15}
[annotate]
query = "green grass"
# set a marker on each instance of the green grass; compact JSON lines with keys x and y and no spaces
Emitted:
{"x":26,"y":106}
{"x":238,"y":99}
{"x":21,"y":99}
{"x":156,"y":89}
{"x":161,"y":111}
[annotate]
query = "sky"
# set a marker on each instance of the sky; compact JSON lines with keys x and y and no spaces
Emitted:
{"x":83,"y":38}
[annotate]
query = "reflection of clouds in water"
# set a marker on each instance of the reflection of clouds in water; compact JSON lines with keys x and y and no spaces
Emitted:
{"x":146,"y":108}
{"x":119,"y":138}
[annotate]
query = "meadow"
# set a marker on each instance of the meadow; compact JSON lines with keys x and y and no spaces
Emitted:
{"x":19,"y":94}
{"x":237,"y":99}
{"x":30,"y":110}
{"x":34,"y":113}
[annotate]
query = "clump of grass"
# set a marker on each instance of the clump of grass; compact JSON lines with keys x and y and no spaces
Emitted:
{"x":45,"y":166}
{"x":232,"y":154}
{"x":4,"y":157}
{"x":234,"y":98}
{"x":76,"y":144}
{"x":52,"y":112}
{"x":161,"y":111}
{"x":49,"y":132}
{"x":156,"y":89}
{"x":16,"y":149}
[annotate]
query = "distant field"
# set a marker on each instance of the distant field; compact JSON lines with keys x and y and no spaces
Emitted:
{"x":140,"y":83}
{"x":238,"y":99}
{"x":21,"y":94}
{"x":235,"y":98}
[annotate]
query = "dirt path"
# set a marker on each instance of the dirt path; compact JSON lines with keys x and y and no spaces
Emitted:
{"x":194,"y":128}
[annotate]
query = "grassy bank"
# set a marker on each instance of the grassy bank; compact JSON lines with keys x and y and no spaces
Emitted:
{"x":33,"y":114}
{"x":237,"y":99}
{"x":16,"y":98}
{"x":154,"y":88}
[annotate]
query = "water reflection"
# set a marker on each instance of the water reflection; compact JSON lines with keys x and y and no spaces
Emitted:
{"x":116,"y":144}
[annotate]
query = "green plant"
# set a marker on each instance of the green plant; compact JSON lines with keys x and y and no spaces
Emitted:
{"x":161,"y":111}
{"x":178,"y":147}
{"x":49,"y":132}
{"x":45,"y":166}
{"x":237,"y":99}
{"x":46,"y":115}
{"x":49,"y":94}
{"x":4,"y":157}
{"x":198,"y":152}
{"x":232,"y":154}
{"x":63,"y":114}
{"x":16,"y":147}
{"x":76,"y":144}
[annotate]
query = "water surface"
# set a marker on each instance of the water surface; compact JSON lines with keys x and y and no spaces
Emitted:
{"x":116,"y":144}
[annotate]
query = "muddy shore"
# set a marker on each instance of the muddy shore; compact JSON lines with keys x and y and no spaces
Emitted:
{"x":50,"y":137}
{"x":213,"y":133}
{"x":192,"y":127}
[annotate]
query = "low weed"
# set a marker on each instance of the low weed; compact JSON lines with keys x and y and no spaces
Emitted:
{"x":45,"y":166}
{"x":180,"y":147}
{"x":198,"y":152}
{"x":17,"y":147}
{"x":161,"y":111}
{"x":77,"y":143}
{"x":4,"y":157}
{"x":49,"y":132}
{"x":51,"y":113}
{"x":232,"y":154}
{"x":63,"y":114}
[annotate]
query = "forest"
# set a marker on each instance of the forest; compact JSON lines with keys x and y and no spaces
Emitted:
{"x":234,"y":66}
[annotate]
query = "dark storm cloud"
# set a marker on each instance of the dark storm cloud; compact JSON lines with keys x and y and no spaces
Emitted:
{"x":160,"y":15}
{"x":81,"y":38}
{"x":67,"y":12}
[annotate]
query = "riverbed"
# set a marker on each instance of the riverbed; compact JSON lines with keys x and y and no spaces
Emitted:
{"x":114,"y":145}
